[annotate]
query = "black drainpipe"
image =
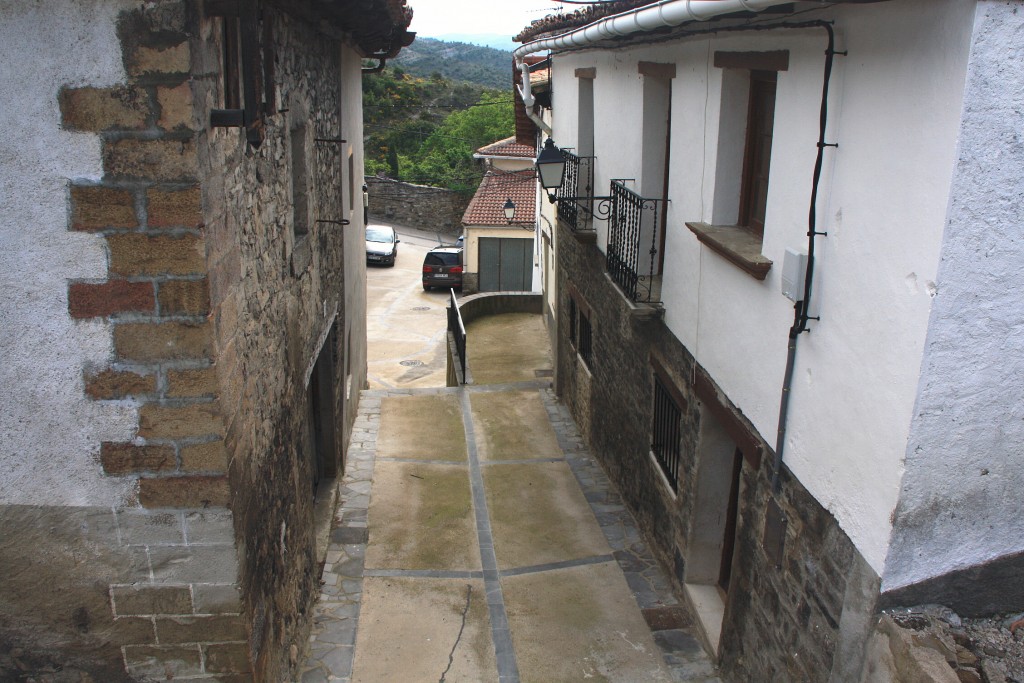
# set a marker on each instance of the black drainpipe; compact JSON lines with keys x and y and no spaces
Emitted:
{"x":800,"y":308}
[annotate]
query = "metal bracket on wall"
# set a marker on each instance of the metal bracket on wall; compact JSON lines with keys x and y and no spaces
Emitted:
{"x":343,"y":221}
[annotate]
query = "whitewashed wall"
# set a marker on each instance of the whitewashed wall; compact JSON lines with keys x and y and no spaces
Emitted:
{"x":49,"y":433}
{"x":961,"y":500}
{"x":894,"y":110}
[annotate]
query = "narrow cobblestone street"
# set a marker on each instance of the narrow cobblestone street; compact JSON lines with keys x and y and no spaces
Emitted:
{"x":477,"y":539}
{"x":604,"y":614}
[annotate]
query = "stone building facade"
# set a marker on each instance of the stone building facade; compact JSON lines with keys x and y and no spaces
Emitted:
{"x":883,"y":481}
{"x":189,"y":290}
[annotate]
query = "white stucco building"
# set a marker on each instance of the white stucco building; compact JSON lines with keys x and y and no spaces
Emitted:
{"x":501,"y":251}
{"x":901,"y":412}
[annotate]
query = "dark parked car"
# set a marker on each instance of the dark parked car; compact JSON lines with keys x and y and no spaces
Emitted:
{"x":381,"y":244}
{"x":442,"y":267}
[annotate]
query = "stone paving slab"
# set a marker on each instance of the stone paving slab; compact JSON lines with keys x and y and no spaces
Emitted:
{"x":579,"y":624}
{"x":505,"y":348}
{"x":341,"y":618}
{"x":513,"y":426}
{"x":422,"y":517}
{"x":426,"y":426}
{"x":451,"y":620}
{"x":539,"y":515}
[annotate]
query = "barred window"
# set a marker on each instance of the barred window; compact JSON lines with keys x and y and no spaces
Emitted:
{"x":580,"y":332}
{"x":665,"y":431}
{"x":585,"y":341}
{"x":572,"y":321}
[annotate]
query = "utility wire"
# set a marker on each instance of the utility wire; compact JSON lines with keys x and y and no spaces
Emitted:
{"x":453,"y":107}
{"x":425,"y":134}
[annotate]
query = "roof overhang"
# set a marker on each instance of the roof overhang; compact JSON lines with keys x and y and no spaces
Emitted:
{"x":377,"y":29}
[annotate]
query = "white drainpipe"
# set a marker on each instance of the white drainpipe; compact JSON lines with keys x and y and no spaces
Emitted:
{"x":657,"y":15}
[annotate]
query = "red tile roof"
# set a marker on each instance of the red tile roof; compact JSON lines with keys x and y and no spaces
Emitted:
{"x":508,"y":148}
{"x":486,"y":207}
{"x":561,"y":22}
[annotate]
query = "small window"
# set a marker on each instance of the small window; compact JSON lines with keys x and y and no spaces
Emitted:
{"x":351,"y":181}
{"x":585,"y":348}
{"x":580,"y":332}
{"x":757,"y":150}
{"x":572,"y":321}
{"x":300,"y":182}
{"x":232,"y":64}
{"x":665,"y":430}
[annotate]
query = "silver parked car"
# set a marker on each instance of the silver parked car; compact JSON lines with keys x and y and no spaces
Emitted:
{"x":381,"y":244}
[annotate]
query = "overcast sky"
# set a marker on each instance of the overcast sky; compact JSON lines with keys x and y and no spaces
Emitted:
{"x":506,"y":17}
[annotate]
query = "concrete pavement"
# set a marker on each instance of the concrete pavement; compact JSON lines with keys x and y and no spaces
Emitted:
{"x":405,"y":325}
{"x":478,"y":540}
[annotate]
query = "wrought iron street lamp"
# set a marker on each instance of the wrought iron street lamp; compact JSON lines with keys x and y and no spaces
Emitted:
{"x":509,"y":210}
{"x":550,"y":167}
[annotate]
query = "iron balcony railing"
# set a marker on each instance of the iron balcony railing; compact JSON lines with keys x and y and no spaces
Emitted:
{"x":575,"y":197}
{"x":634,"y":242}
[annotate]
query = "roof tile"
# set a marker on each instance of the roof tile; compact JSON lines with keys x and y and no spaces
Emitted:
{"x":508,"y":148}
{"x":487,"y":206}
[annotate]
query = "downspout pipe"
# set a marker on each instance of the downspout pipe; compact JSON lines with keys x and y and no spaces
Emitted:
{"x":663,"y":14}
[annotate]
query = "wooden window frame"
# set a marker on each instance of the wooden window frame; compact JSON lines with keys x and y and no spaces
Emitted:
{"x":232,"y":63}
{"x":760,"y":118}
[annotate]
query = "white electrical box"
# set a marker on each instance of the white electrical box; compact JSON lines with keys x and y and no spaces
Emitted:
{"x":794,"y":270}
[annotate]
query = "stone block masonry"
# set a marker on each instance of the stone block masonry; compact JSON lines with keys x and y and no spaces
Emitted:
{"x":148,"y":209}
{"x":418,"y":206}
{"x":799,"y":616}
{"x":172,"y":606}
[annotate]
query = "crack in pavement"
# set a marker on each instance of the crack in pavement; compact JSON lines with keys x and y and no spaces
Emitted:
{"x":451,"y":655}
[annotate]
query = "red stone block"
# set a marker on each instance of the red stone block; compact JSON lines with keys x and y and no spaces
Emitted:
{"x":86,"y":300}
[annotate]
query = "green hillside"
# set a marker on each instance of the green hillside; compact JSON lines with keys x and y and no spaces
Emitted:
{"x":425,"y":130}
{"x":457,"y":62}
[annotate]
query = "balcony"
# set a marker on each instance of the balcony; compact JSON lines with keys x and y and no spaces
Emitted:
{"x":575,"y":197}
{"x":635,"y":242}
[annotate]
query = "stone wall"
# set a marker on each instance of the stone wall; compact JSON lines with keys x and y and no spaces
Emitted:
{"x":283,"y":331}
{"x":417,"y":206}
{"x":144,"y":585}
{"x":142,"y":594}
{"x":801,"y":616}
{"x":235,"y":343}
{"x":495,"y":303}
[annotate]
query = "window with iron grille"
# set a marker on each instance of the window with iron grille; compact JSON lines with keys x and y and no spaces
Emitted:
{"x":665,"y":431}
{"x":584,"y":348}
{"x":572,"y":321}
{"x":580,"y":333}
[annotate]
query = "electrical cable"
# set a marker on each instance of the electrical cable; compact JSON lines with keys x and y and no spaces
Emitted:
{"x":800,"y":308}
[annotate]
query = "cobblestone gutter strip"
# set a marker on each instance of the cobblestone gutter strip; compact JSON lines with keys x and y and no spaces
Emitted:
{"x":670,"y":622}
{"x":508,"y":669}
{"x":332,"y":641}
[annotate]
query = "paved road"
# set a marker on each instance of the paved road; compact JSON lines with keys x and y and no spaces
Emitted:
{"x":405,"y":325}
{"x":477,"y":540}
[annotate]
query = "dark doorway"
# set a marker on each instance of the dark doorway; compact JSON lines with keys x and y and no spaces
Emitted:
{"x":731,"y":514}
{"x":321,"y":441}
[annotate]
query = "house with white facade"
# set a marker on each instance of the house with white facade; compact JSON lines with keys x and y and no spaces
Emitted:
{"x":500,"y":221}
{"x":787,"y":300}
{"x":183,"y":333}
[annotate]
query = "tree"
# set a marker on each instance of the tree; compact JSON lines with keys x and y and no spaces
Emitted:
{"x":445,"y":158}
